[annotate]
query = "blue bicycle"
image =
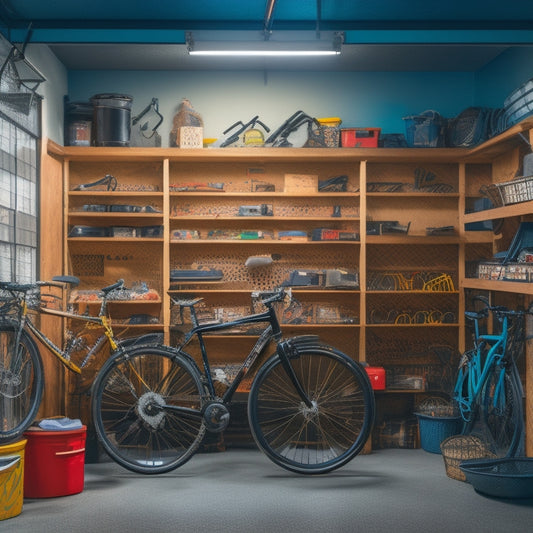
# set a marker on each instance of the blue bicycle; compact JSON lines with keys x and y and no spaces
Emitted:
{"x":488,"y":390}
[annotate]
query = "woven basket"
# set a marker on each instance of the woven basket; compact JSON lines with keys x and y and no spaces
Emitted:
{"x":458,"y":448}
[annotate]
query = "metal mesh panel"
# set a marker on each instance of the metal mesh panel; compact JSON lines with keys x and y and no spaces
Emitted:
{"x":19,"y":129}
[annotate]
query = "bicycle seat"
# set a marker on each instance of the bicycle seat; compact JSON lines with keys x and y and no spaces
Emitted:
{"x":70,"y":280}
{"x":186,"y":302}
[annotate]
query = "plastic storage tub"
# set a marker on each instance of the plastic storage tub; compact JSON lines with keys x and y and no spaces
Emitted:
{"x":435,"y":429}
{"x":11,"y":479}
{"x":424,"y":130}
{"x":55,"y":463}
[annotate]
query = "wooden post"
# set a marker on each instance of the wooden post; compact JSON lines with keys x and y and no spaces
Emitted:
{"x":529,"y":387}
{"x":529,"y":372}
{"x":51,"y":247}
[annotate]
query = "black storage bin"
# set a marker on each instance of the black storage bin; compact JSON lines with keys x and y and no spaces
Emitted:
{"x":112,"y":119}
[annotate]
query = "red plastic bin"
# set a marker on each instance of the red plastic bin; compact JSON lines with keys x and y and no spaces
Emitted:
{"x":360,"y":137}
{"x":54,"y":463}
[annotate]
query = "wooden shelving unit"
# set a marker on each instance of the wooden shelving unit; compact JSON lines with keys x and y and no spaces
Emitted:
{"x":148,"y":176}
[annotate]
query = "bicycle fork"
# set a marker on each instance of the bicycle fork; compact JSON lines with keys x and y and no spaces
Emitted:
{"x":288,"y":350}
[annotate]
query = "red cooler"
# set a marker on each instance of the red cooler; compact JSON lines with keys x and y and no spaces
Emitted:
{"x":54,"y":462}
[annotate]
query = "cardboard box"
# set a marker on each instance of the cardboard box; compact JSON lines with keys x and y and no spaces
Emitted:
{"x":190,"y":137}
{"x":301,"y":183}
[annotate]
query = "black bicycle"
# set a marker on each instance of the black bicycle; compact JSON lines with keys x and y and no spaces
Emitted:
{"x":310,"y":407}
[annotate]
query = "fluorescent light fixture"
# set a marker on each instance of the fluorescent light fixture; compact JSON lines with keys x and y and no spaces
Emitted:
{"x":329,"y":46}
{"x":267,"y":53}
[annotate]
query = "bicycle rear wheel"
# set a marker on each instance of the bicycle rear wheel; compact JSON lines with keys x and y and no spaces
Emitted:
{"x":21,"y":382}
{"x":317,"y":439}
{"x":135,"y":407}
{"x":503,"y":413}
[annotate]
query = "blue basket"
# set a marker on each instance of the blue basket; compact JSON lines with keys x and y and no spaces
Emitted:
{"x":425,"y":130}
{"x":435,"y":429}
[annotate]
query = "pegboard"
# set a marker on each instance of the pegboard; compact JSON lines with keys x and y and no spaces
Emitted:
{"x":231,"y":260}
{"x":103,"y":263}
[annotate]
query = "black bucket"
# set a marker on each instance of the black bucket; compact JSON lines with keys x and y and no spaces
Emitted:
{"x":78,"y":123}
{"x":112,"y":119}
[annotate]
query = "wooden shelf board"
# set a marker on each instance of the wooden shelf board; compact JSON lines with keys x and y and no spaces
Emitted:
{"x":249,"y":220}
{"x":409,"y":292}
{"x":412,"y":239}
{"x":413,"y":194}
{"x":259,"y":241}
{"x":116,"y":239}
{"x":434,"y":325}
{"x":502,"y":286}
{"x":106,"y":194}
{"x":279,"y":194}
{"x":513,"y":210}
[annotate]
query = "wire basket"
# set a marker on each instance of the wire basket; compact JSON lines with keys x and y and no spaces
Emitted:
{"x":438,"y":407}
{"x":510,"y":192}
{"x":459,"y":448}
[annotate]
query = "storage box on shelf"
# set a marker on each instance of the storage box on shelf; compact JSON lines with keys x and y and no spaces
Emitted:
{"x":360,"y":137}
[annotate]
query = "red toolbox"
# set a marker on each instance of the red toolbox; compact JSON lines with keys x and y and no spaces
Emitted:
{"x":377,"y":377}
{"x":55,"y":462}
{"x":360,"y":137}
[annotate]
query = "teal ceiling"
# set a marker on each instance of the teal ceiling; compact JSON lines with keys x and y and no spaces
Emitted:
{"x":52,"y":18}
{"x":458,"y":34}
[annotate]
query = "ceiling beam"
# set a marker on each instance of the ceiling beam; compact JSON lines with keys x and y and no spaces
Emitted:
{"x":285,"y":25}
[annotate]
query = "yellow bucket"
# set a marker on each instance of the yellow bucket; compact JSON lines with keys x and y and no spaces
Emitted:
{"x":11,"y":479}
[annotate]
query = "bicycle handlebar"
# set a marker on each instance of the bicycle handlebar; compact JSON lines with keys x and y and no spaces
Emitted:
{"x":498,"y":310}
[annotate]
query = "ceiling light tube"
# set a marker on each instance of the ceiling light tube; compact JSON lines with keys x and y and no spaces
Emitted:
{"x":264,"y":48}
{"x":264,"y":53}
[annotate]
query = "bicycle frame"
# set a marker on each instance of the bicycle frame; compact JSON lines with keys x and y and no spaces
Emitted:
{"x":25,"y":322}
{"x":479,"y":369}
{"x":271,"y":332}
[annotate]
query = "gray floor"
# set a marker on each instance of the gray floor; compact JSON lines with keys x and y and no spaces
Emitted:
{"x":240,"y":490}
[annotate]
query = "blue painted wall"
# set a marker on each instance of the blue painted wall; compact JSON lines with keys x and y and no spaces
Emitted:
{"x":504,"y":74}
{"x":361,"y":99}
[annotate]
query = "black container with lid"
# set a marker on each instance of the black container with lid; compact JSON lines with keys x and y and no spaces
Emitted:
{"x":112,"y":119}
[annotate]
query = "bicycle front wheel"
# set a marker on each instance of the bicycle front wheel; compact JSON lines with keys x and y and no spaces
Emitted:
{"x":146,"y":409}
{"x":320,"y":438}
{"x":21,"y":382}
{"x":503,"y":413}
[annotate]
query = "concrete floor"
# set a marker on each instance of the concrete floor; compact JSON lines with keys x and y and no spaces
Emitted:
{"x":240,"y":490}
